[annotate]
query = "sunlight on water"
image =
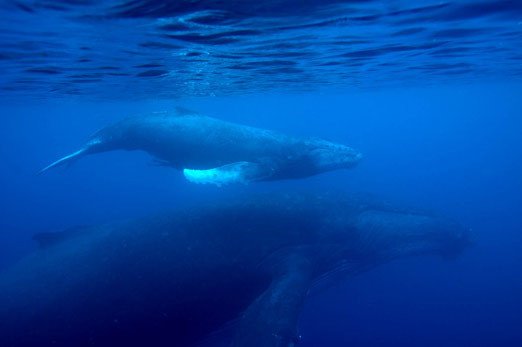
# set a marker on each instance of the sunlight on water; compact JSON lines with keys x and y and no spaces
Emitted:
{"x":141,"y":49}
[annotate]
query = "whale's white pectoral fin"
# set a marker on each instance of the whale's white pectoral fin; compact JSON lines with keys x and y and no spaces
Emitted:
{"x":240,"y":172}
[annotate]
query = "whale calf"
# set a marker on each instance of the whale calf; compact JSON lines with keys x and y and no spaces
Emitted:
{"x":238,"y":270}
{"x":209,"y":150}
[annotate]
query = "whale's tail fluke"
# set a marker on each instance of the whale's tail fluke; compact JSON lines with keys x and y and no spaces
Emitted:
{"x":68,"y":159}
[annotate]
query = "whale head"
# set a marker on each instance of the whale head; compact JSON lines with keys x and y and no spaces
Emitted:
{"x":375,"y":236}
{"x":390,"y":234}
{"x":328,"y":156}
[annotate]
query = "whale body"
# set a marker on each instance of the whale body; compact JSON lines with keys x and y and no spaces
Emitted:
{"x":209,"y":150}
{"x":237,"y":270}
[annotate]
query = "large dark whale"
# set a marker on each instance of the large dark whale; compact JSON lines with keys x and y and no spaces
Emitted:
{"x":173,"y":279}
{"x":209,"y":150}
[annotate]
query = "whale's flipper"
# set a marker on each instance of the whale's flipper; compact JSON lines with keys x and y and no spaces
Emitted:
{"x":240,"y":172}
{"x":65,"y":160}
{"x":271,"y":320}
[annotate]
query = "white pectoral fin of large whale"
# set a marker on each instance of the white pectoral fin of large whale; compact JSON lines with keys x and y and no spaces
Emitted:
{"x":239,"y":172}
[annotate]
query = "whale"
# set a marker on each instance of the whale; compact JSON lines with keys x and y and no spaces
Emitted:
{"x":232,"y":273}
{"x":209,"y":150}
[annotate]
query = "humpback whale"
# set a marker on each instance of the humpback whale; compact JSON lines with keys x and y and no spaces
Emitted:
{"x":237,"y":271}
{"x":209,"y":150}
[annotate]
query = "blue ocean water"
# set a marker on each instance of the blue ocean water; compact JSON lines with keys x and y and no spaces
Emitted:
{"x":429,"y":93}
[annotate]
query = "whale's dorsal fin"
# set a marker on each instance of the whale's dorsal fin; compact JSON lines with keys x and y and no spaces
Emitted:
{"x":181,"y":111}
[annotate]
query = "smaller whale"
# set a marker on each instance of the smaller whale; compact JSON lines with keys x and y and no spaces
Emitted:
{"x":209,"y":150}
